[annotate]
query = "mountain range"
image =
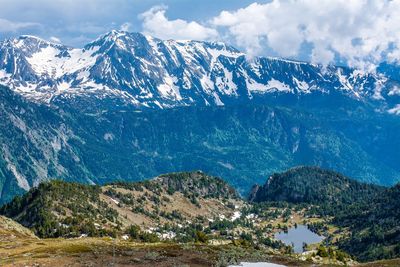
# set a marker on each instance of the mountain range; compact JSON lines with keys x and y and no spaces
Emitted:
{"x":129,"y":106}
{"x":149,"y":72}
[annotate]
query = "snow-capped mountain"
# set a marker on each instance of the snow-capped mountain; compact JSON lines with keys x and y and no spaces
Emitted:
{"x":150,"y":72}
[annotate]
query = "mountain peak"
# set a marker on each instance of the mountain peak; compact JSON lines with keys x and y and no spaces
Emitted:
{"x":113,"y":35}
{"x":112,"y":38}
{"x":30,"y":40}
{"x":27,"y":46}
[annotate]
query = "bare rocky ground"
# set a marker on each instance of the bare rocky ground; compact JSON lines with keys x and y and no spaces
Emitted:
{"x":20,"y":247}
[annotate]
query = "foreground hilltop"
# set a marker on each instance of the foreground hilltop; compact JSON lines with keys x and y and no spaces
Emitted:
{"x":10,"y":231}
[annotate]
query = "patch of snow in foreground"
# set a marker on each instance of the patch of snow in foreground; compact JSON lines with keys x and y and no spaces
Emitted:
{"x":115,"y":201}
{"x":236,"y":215}
{"x":257,"y":264}
{"x":167,"y":235}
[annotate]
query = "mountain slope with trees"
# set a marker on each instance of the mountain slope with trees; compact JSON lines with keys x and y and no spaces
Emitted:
{"x":61,"y":209}
{"x":314,"y":185}
{"x":374,"y":227}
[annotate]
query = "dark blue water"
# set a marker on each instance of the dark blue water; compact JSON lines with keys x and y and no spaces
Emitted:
{"x":298,"y":236}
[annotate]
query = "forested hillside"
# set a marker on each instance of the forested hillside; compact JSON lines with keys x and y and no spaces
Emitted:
{"x":62,"y":209}
{"x":368,"y":215}
{"x":314,"y":186}
{"x":374,"y":227}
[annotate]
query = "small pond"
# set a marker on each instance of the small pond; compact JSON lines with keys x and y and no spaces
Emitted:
{"x":296,"y":236}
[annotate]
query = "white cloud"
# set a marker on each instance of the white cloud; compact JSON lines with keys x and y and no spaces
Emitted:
{"x":157,"y":24}
{"x":55,"y":39}
{"x":360,"y":31}
{"x":12,"y":26}
{"x":126,"y":27}
{"x":75,"y":21}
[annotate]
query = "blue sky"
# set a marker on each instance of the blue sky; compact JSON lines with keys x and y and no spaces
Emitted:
{"x":359,"y":33}
{"x":75,"y":22}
